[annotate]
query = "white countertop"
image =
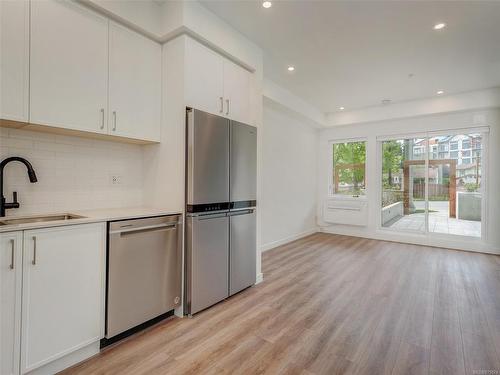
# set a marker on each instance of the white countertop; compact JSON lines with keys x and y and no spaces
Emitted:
{"x":88,"y":216}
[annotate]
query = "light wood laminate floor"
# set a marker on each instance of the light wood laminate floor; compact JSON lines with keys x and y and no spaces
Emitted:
{"x":334,"y":304}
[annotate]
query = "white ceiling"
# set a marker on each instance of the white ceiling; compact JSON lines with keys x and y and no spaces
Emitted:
{"x":356,"y":53}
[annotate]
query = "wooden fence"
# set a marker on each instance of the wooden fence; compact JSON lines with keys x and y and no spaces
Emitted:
{"x":438,"y":190}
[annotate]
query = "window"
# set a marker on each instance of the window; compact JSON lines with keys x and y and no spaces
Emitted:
{"x":435,"y":194}
{"x":465,"y":143}
{"x":418,"y":151}
{"x":433,"y":151}
{"x":348,"y":174}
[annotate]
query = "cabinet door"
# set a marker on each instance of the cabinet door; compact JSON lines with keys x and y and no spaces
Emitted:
{"x":63,"y":289}
{"x":243,"y":163}
{"x":14,"y":32}
{"x":10,"y":296}
{"x":209,"y":256}
{"x":204,"y":78}
{"x":243,"y":250}
{"x":68,"y":66}
{"x":134,"y":85}
{"x":236,"y":92}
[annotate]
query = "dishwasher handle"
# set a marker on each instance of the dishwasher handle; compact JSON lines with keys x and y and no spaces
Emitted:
{"x":147,"y":228}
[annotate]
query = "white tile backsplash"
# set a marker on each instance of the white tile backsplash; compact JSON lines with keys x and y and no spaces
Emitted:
{"x":73,"y":173}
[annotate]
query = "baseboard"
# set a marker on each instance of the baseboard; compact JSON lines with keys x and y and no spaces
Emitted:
{"x":68,"y":360}
{"x":272,"y":245}
{"x":259,"y":278}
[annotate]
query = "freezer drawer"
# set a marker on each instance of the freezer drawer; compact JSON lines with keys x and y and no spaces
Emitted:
{"x":243,"y":247}
{"x":207,"y":261}
{"x":144,"y":271}
{"x":243,"y":164}
{"x":207,"y":158}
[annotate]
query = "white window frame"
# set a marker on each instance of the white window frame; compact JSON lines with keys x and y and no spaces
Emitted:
{"x":331,"y":194}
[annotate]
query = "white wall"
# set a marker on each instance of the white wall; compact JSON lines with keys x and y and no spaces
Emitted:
{"x":73,"y":173}
{"x":446,"y":121}
{"x":279,"y":95}
{"x":289,"y":162}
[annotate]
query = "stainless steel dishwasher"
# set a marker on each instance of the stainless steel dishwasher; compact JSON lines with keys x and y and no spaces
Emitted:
{"x":144,"y":273}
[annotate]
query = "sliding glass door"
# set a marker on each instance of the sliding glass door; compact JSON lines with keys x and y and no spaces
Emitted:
{"x":433,"y":184}
{"x":403,"y":184}
{"x":455,"y":193}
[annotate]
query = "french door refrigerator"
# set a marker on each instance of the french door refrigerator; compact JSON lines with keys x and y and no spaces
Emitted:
{"x":221,"y":169}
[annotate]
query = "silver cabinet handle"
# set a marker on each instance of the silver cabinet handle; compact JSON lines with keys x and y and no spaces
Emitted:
{"x":34,"y":251}
{"x":221,"y":104}
{"x":114,"y":120}
{"x":227,"y":103}
{"x":12,"y":250}
{"x":102,"y":118}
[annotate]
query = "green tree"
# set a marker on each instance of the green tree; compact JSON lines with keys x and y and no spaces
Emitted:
{"x":345,"y":158}
{"x":392,"y":159}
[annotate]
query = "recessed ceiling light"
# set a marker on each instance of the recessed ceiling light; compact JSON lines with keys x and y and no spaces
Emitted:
{"x":341,"y":108}
{"x":440,"y":92}
{"x":267,"y":4}
{"x":291,"y":68}
{"x":439,"y":26}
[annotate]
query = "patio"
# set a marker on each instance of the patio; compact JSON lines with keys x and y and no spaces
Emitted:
{"x":439,"y":221}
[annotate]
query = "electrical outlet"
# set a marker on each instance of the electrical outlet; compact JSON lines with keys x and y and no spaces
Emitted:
{"x":116,"y":179}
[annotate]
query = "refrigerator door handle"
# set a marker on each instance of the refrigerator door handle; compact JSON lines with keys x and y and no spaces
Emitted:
{"x":208,"y":217}
{"x":241,"y":212}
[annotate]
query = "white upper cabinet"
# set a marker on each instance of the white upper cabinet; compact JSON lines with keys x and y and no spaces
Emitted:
{"x":14,"y":74}
{"x":68,"y":66}
{"x":204,"y":78}
{"x":215,"y":84}
{"x":10,"y":295}
{"x":134,"y":85}
{"x":63,"y":292}
{"x":236,"y":92}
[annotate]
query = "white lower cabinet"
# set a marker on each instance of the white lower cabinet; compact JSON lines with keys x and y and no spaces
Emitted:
{"x":62,"y":298}
{"x":11,"y":246}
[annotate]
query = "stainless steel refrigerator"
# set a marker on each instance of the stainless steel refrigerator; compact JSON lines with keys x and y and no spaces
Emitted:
{"x":221,"y":172}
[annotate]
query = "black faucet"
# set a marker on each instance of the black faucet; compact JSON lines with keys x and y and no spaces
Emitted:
{"x":31,"y":175}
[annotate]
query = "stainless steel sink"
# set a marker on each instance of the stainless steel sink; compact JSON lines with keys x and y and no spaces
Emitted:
{"x":39,"y":219}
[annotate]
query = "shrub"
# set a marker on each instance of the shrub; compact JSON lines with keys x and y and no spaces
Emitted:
{"x":471,"y":187}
